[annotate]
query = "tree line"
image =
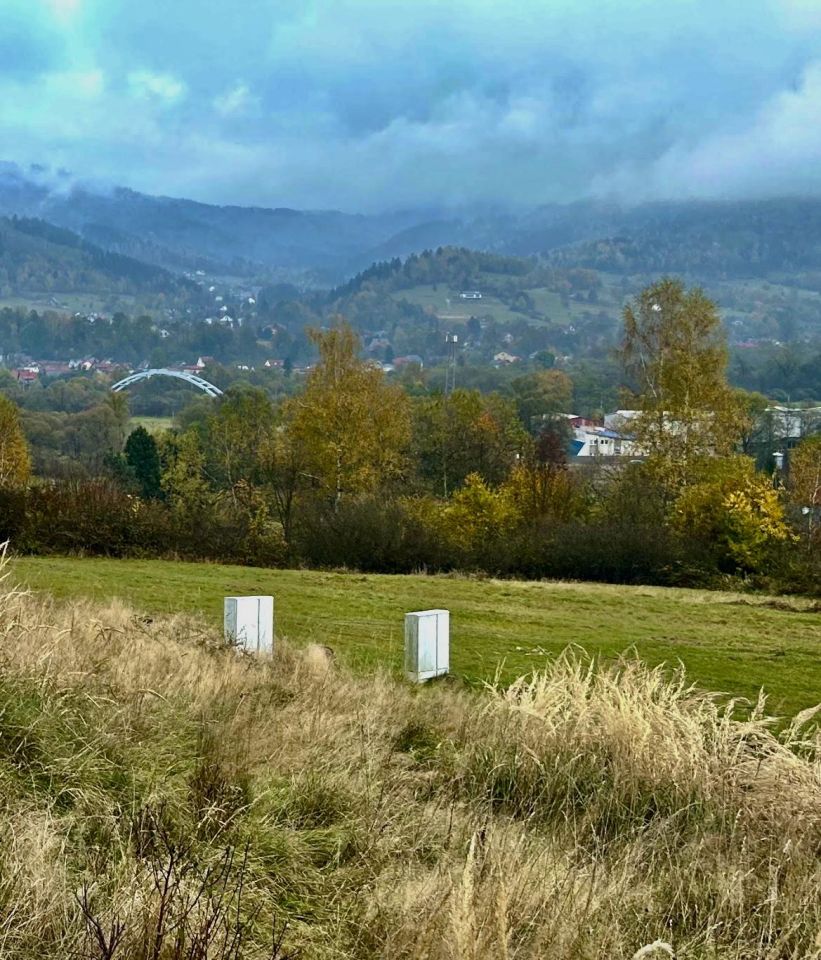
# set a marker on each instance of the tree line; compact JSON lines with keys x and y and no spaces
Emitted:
{"x":357,"y":470}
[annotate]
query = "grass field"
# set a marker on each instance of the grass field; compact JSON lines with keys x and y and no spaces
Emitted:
{"x":729,"y":643}
{"x":547,"y":302}
{"x":152,"y":424}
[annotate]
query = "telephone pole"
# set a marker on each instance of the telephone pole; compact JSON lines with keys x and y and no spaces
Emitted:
{"x":452,"y":343}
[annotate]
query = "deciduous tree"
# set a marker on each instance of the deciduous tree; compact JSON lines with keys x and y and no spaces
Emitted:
{"x":467,"y":432}
{"x":350,"y":426}
{"x":805,"y":481}
{"x":15,"y":462}
{"x":675,"y":354}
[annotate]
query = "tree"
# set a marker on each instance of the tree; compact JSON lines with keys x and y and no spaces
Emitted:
{"x":540,"y":394}
{"x":464,"y":433}
{"x":734,"y":513}
{"x":805,"y":481}
{"x":235,"y":433}
{"x":350,"y":426}
{"x":15,"y":462}
{"x":118,"y":404}
{"x":142,"y":456}
{"x":675,"y":353}
{"x":183,"y":478}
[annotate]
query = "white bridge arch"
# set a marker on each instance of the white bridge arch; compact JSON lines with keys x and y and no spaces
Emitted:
{"x":191,"y":378}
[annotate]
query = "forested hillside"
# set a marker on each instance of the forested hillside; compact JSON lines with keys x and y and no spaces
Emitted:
{"x":761,"y":239}
{"x":37,"y":256}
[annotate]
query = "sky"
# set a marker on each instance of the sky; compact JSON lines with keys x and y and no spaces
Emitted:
{"x":373,"y":105}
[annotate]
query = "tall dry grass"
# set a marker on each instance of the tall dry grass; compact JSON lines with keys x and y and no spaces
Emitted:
{"x":163,"y":797}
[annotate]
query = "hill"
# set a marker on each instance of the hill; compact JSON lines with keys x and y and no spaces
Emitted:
{"x":772,"y":239}
{"x":187,"y":235}
{"x":165,"y":797}
{"x":756,"y":239}
{"x":37,"y":257}
{"x":727,"y":642}
{"x":551,"y":304}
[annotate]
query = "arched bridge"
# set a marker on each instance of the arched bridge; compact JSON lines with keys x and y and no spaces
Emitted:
{"x":191,"y":378}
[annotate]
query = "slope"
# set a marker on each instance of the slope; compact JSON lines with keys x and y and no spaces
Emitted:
{"x":727,"y":642}
{"x":36,"y":256}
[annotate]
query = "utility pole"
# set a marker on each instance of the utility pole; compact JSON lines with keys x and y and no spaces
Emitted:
{"x":452,"y":344}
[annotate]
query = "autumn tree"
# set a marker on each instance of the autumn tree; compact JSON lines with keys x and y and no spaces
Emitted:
{"x":675,"y":354}
{"x":734,"y":512}
{"x":183,"y":477}
{"x":805,"y":481}
{"x":15,"y":462}
{"x":351,"y":427}
{"x":235,"y":433}
{"x":464,"y":433}
{"x":118,"y":404}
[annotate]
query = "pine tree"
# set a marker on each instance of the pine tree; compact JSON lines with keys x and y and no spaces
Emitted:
{"x":143,"y":458}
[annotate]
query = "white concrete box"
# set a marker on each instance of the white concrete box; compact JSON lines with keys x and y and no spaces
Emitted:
{"x":427,"y":644}
{"x":249,"y":623}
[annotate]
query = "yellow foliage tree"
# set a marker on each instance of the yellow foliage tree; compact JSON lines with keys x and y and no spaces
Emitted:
{"x":736,"y":511}
{"x":476,"y":514}
{"x":15,"y":461}
{"x":351,"y":427}
{"x":805,"y":481}
{"x":675,"y":353}
{"x":535,"y":490}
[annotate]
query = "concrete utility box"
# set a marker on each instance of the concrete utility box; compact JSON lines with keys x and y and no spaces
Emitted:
{"x":249,"y":622}
{"x":427,"y":644}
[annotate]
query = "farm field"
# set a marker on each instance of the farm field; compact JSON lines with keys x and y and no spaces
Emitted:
{"x":546,"y":301}
{"x":735,"y":644}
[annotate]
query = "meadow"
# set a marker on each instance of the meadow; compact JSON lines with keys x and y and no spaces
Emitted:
{"x":151,"y":424}
{"x":167,"y":798}
{"x":735,"y":644}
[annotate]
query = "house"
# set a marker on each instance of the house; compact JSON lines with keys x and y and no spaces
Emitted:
{"x":28,"y":374}
{"x":399,"y":362}
{"x":590,"y":442}
{"x":273,"y":364}
{"x":470,"y":295}
{"x":503,"y":358}
{"x":203,"y":362}
{"x":55,"y":368}
{"x":792,"y":423}
{"x":576,"y":421}
{"x":619,"y":419}
{"x":377,"y":344}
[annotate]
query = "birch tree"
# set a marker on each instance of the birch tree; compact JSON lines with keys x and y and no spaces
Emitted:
{"x":675,"y":355}
{"x":350,"y":426}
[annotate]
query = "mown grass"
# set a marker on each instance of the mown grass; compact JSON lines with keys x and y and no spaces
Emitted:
{"x":163,"y":797}
{"x":731,"y":643}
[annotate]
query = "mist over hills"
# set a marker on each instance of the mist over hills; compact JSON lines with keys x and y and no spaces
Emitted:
{"x":759,"y":239}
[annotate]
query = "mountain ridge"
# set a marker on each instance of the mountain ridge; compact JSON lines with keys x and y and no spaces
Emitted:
{"x":702,"y":239}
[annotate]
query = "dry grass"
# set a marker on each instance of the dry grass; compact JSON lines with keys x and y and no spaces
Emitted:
{"x":164,"y":797}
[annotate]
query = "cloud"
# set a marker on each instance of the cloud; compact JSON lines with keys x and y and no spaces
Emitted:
{"x":65,"y":10}
{"x":369,"y":104}
{"x":237,"y":99}
{"x":777,"y":150}
{"x":160,"y":86}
